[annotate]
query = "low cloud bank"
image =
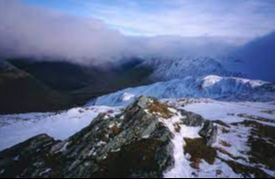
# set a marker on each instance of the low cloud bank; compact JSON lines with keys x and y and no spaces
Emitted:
{"x":37,"y":32}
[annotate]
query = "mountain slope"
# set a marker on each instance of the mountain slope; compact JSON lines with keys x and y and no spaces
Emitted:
{"x":21,"y":92}
{"x":152,"y":139}
{"x":83,"y":82}
{"x":175,"y":68}
{"x":62,"y":84}
{"x":62,"y":76}
{"x":135,"y":143}
{"x":224,"y":88}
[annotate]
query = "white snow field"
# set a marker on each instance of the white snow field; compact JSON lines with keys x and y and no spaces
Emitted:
{"x":230,"y":112}
{"x":17,"y":128}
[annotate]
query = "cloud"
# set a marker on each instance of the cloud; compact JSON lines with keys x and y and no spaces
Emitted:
{"x":230,"y":18}
{"x":39,"y":32}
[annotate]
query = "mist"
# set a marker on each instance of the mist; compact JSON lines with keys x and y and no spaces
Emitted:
{"x":40,"y":33}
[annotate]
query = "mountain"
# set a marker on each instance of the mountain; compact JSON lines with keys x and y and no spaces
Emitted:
{"x":128,"y":73}
{"x":59,"y":75}
{"x":21,"y":92}
{"x":63,"y":84}
{"x":175,"y":68}
{"x":253,"y":60}
{"x":150,"y":139}
{"x":215,"y":87}
{"x":134,"y":143}
{"x":256,"y":59}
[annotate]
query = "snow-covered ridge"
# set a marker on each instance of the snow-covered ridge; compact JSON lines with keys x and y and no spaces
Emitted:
{"x":211,"y":80}
{"x":212,"y":86}
{"x":173,"y":68}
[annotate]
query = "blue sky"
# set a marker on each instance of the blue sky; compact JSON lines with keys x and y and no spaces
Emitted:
{"x":226,"y":18}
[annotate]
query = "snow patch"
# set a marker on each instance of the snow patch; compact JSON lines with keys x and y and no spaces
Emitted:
{"x":20,"y":127}
{"x":228,"y":111}
{"x":182,"y":167}
{"x":127,"y":96}
{"x":211,"y":80}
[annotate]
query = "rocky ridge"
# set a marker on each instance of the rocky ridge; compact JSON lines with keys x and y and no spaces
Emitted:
{"x":139,"y":142}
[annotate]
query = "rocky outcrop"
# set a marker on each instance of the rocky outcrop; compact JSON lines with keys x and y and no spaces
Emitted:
{"x":192,"y":119}
{"x":209,"y":132}
{"x":134,"y":143}
{"x":31,"y":158}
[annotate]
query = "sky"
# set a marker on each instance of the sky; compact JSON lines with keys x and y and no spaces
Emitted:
{"x":88,"y":30}
{"x":244,"y":19}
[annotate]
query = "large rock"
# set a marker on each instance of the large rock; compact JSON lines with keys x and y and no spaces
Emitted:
{"x":192,"y":119}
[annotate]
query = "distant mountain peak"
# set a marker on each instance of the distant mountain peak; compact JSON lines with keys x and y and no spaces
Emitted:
{"x":211,"y":86}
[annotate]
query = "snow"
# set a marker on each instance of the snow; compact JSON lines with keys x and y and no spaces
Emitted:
{"x":215,"y":87}
{"x":2,"y":171}
{"x":182,"y":167}
{"x":228,"y":111}
{"x":237,"y":138}
{"x":45,"y":171}
{"x":175,"y":68}
{"x":211,"y":80}
{"x":127,"y":96}
{"x":20,"y":127}
{"x":210,"y":171}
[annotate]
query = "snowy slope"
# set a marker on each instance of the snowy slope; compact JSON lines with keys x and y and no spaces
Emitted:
{"x":18,"y":127}
{"x":173,"y":68}
{"x":234,"y":145}
{"x":216,"y":87}
{"x":229,"y":112}
{"x":243,"y":135}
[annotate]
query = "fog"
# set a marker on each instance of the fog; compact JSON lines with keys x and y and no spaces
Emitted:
{"x":28,"y":31}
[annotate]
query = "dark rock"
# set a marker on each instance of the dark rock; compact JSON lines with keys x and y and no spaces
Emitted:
{"x":192,"y":119}
{"x":209,"y":132}
{"x":28,"y":159}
